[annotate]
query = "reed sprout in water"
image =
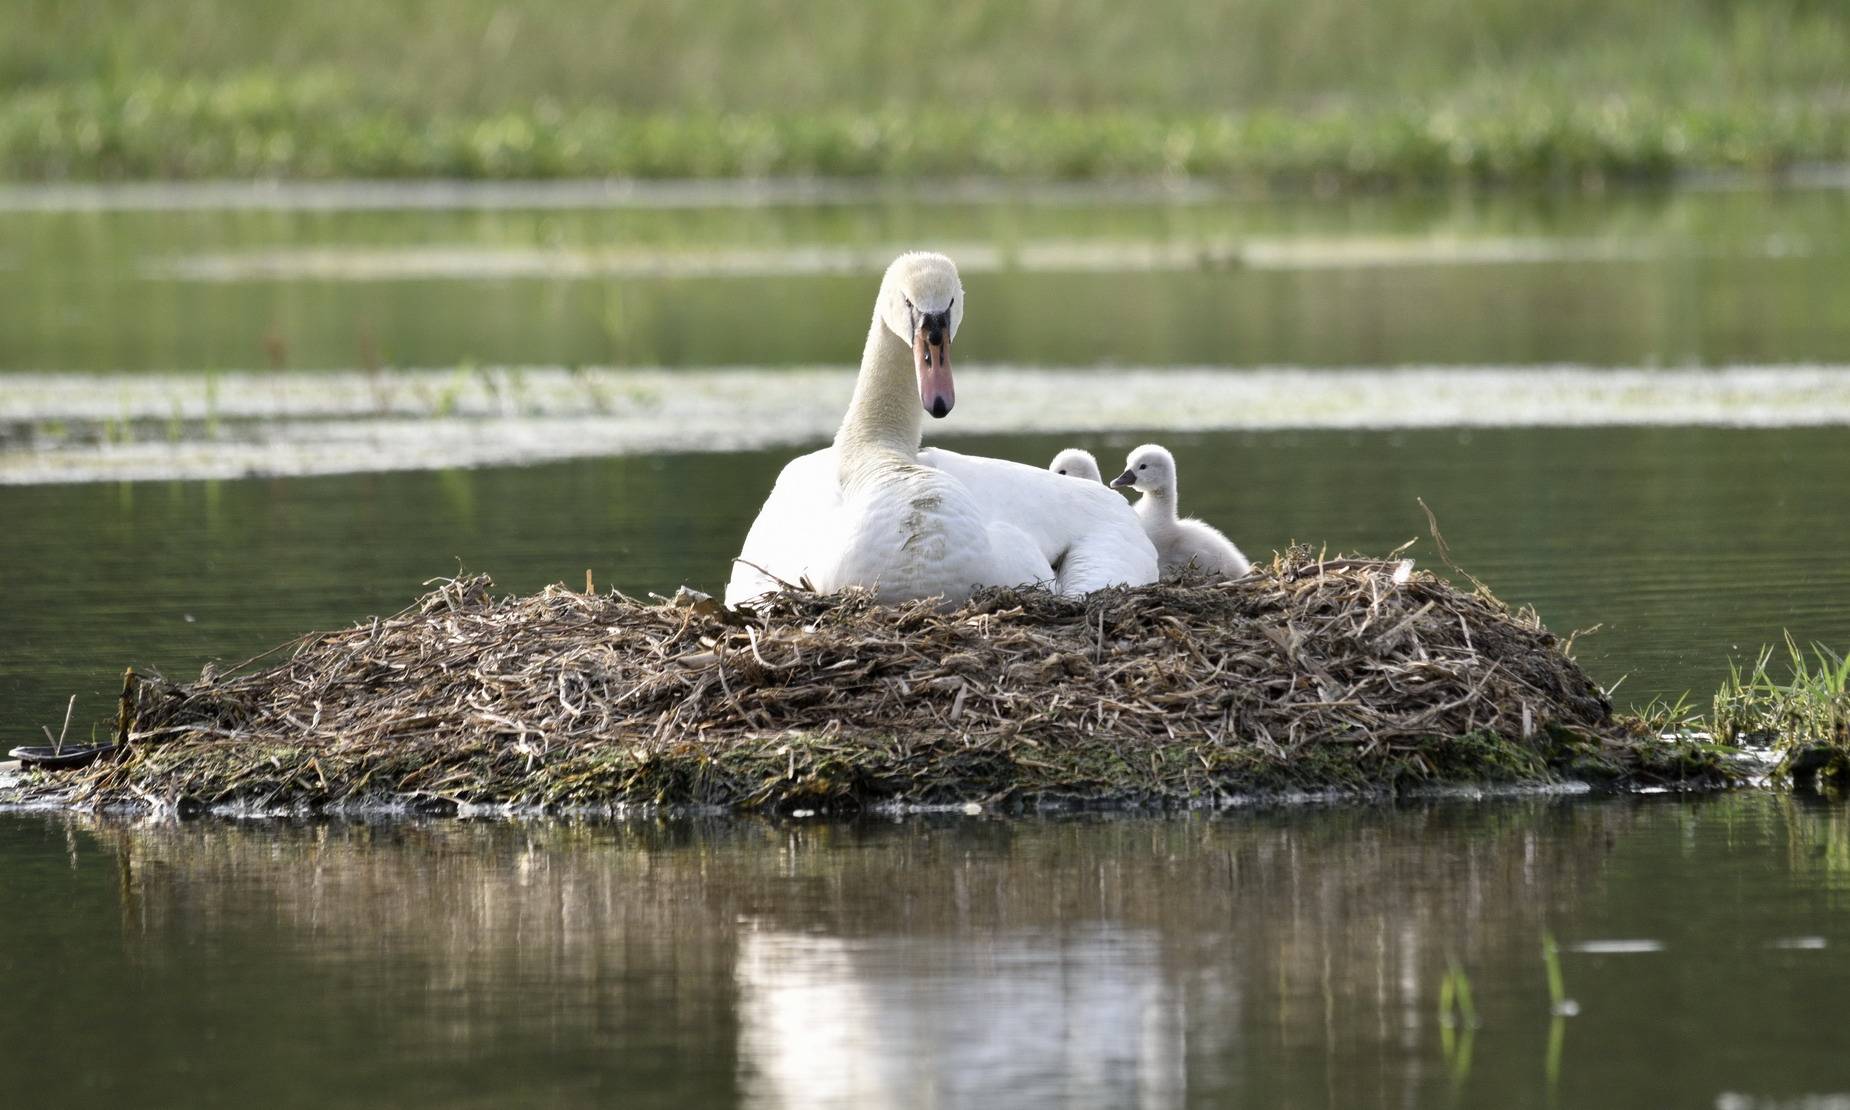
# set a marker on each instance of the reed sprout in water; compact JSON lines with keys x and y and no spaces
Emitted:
{"x":1802,"y":708}
{"x":1669,"y":716}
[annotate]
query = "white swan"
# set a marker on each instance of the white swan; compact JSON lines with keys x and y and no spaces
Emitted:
{"x":875,"y":511}
{"x":1151,"y":471}
{"x":1076,"y":463}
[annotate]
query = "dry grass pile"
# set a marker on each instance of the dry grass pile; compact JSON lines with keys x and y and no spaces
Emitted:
{"x":1303,"y":675}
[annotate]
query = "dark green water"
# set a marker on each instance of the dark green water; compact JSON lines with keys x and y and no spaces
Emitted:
{"x":1272,"y":958}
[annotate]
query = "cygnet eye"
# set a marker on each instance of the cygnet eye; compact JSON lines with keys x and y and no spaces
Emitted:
{"x":1143,"y":466}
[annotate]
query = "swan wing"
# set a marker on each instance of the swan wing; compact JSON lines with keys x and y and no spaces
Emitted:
{"x":920,"y":533}
{"x":917,"y":533}
{"x":793,"y":533}
{"x":954,"y":523}
{"x":1208,"y":548}
{"x":1088,"y":534}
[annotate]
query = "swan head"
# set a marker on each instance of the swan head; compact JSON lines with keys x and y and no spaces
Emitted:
{"x":1148,"y":469}
{"x":922,"y":302}
{"x":1075,"y":463}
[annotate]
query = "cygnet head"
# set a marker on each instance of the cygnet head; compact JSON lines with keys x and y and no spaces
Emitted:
{"x":1075,"y":463}
{"x":1148,"y":469}
{"x":922,"y":302}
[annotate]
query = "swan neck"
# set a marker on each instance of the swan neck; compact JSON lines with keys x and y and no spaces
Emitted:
{"x":1159,"y":504}
{"x":885,"y":419}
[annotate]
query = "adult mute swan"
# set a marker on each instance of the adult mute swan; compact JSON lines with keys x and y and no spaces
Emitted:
{"x":1151,"y":471}
{"x":1076,"y":463}
{"x":873,"y":510}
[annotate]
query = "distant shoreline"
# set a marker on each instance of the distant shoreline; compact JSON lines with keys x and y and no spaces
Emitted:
{"x":53,"y":136}
{"x":431,"y":194}
{"x":420,"y":194}
{"x":77,"y":427}
{"x":1313,"y":96}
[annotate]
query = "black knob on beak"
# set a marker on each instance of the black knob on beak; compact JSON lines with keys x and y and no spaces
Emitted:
{"x":936,"y":328}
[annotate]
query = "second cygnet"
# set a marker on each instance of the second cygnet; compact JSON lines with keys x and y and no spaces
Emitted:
{"x":1151,"y":471}
{"x":1075,"y":463}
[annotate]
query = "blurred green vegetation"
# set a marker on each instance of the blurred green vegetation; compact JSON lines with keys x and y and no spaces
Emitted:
{"x":1266,"y":91}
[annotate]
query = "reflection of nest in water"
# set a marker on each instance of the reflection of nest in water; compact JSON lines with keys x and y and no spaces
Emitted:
{"x":1301,"y":675}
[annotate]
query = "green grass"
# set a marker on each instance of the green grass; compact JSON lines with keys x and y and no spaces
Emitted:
{"x":1793,"y":699}
{"x":1665,"y":715}
{"x":1802,"y":707}
{"x":261,"y":127}
{"x":1332,"y":92}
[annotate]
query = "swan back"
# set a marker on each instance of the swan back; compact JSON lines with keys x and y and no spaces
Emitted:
{"x":1086,"y":532}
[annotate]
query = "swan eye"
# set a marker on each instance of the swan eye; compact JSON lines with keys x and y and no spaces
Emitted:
{"x":1143,"y":466}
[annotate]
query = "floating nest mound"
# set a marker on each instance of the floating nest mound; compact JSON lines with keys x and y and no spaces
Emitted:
{"x":1305,"y":675}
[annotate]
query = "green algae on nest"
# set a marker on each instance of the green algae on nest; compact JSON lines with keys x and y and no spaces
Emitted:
{"x":1303,"y":676}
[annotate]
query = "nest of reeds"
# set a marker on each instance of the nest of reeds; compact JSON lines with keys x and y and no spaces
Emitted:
{"x":1304,"y":675}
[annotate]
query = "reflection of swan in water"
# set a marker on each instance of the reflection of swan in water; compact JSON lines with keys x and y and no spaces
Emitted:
{"x":1080,"y":1019}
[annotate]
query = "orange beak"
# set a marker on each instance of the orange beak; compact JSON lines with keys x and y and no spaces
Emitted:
{"x":931,"y":357}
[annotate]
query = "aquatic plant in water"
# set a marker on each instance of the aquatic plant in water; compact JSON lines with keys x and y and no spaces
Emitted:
{"x":1804,"y":714}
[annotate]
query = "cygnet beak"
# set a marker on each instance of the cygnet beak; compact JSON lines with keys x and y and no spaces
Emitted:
{"x":931,"y":357}
{"x":1129,"y":477}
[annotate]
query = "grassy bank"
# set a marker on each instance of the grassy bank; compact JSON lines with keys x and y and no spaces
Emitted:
{"x":1255,"y":91}
{"x":259,"y":126}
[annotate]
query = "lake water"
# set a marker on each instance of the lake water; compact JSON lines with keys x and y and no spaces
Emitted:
{"x":1272,"y":958}
{"x":1268,"y":958}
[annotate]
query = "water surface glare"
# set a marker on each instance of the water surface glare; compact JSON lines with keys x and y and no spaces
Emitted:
{"x":1273,"y":957}
{"x":90,"y":428}
{"x":465,"y":263}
